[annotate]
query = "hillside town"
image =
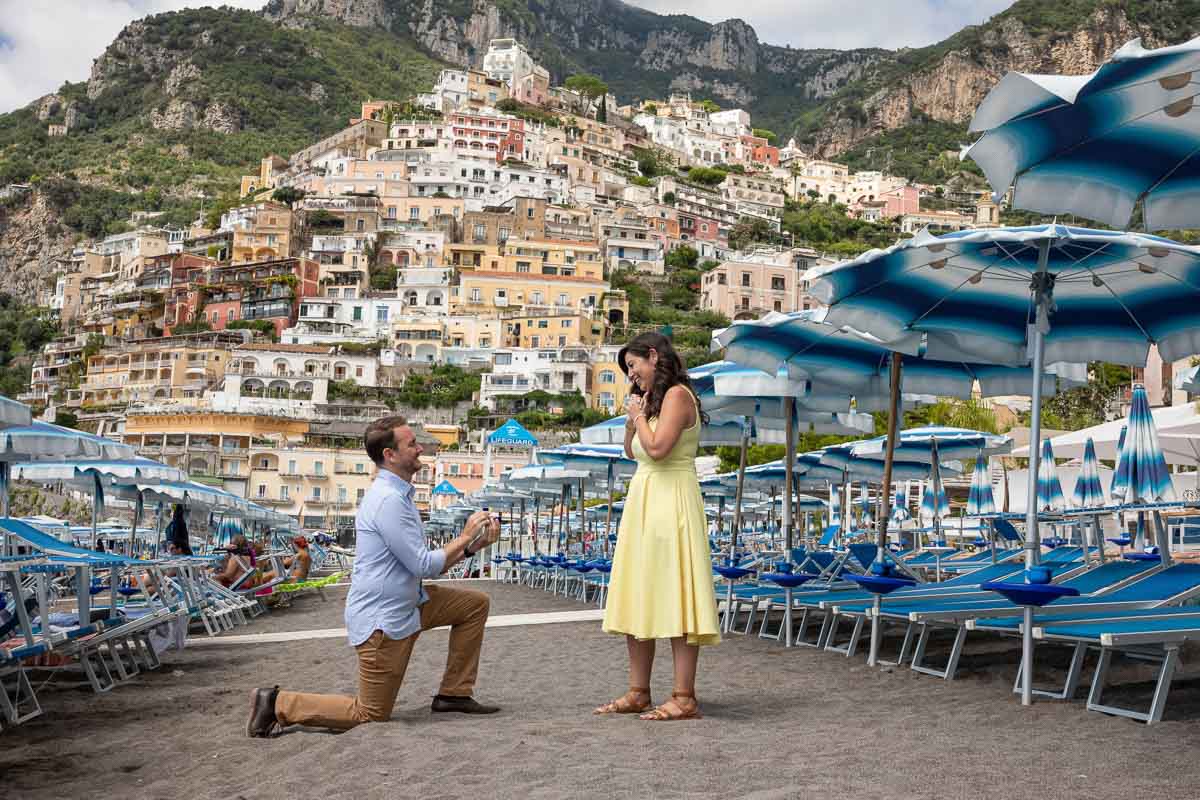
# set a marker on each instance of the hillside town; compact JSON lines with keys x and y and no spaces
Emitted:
{"x":485,"y":227}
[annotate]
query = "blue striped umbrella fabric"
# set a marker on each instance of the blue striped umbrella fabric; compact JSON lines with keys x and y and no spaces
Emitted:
{"x":1120,"y":480}
{"x":1103,"y":295}
{"x":1088,"y":491}
{"x":835,"y":505}
{"x":13,"y":413}
{"x":1142,"y":458}
{"x":980,"y":500}
{"x":935,"y":504}
{"x":900,"y":512}
{"x":1049,"y":487}
{"x":834,"y":359}
{"x":1094,"y":145}
{"x":42,"y":441}
{"x":953,"y":444}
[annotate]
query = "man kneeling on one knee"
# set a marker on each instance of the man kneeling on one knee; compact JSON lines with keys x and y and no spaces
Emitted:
{"x":387,"y":606}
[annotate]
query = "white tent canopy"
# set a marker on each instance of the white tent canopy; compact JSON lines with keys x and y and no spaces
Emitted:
{"x":1178,"y":434}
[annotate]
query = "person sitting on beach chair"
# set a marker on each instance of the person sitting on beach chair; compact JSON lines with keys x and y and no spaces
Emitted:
{"x":300,"y":564}
{"x":387,"y":606}
{"x":240,"y":559}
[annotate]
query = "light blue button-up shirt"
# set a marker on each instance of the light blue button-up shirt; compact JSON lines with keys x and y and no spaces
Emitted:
{"x":390,"y":559}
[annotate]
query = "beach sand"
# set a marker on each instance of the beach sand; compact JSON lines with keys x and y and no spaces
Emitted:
{"x":778,"y":723}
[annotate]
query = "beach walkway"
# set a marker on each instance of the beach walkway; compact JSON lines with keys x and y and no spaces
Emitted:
{"x":779,"y":723}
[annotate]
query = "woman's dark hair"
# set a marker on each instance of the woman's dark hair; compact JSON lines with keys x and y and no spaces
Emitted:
{"x":668,"y":372}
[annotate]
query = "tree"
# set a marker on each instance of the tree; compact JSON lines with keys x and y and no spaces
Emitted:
{"x":650,"y":108}
{"x":288,"y":195}
{"x":706,"y":176}
{"x":668,"y":198}
{"x":709,"y":106}
{"x":766,"y":134}
{"x":749,"y":230}
{"x":682,"y":257}
{"x":588,"y":85}
{"x":602,"y":112}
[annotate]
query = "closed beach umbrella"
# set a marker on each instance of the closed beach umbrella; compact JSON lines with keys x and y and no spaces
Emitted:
{"x":1049,"y":487}
{"x":900,"y":512}
{"x":1142,"y":459}
{"x":980,"y":500}
{"x":1088,"y":491}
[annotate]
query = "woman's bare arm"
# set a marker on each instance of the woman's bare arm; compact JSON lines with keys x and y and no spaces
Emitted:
{"x":678,"y":412}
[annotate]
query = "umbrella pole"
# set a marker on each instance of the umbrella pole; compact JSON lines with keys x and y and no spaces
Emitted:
{"x":608,"y":515}
{"x":789,"y":480}
{"x":537,"y":502}
{"x":1041,"y":302}
{"x":737,"y":523}
{"x":1098,"y":537}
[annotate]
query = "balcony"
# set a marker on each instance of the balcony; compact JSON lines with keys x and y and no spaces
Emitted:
{"x":288,"y":473}
{"x":315,"y":501}
{"x":316,"y":476}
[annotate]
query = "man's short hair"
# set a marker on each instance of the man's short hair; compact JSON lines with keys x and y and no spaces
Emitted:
{"x":381,"y":434}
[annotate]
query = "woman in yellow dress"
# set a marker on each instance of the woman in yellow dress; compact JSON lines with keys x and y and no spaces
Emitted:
{"x":661,"y":584}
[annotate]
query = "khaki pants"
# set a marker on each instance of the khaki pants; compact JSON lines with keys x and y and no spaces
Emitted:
{"x":383,"y":661}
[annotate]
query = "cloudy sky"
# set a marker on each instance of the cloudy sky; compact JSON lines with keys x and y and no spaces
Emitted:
{"x":46,"y":42}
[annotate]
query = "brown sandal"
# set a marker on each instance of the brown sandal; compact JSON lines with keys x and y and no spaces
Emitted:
{"x":627,"y":703}
{"x":672,"y":711}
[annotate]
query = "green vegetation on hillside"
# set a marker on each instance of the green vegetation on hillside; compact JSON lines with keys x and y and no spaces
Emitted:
{"x":23,"y":331}
{"x":925,"y":151}
{"x":283,"y":87}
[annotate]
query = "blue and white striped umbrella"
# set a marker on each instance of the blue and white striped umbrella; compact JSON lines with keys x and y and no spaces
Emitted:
{"x":838,"y":461}
{"x":934,"y":502}
{"x":1094,"y":145}
{"x":1049,"y":487}
{"x":1120,"y":480}
{"x":13,"y":413}
{"x":1088,"y":491}
{"x":113,"y":471}
{"x":1100,"y":295}
{"x":835,"y":505}
{"x":838,"y":362}
{"x":1142,"y":458}
{"x":953,"y":444}
{"x":43,"y":441}
{"x":594,"y":458}
{"x":900,"y":512}
{"x":980,"y":500}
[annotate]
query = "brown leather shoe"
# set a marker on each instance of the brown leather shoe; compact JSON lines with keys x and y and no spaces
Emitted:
{"x":263,"y":722}
{"x":463,"y":705}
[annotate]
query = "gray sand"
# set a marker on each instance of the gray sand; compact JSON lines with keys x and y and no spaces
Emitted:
{"x":779,"y":723}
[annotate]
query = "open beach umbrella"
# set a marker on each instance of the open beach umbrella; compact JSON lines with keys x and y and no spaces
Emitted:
{"x":1094,"y":145}
{"x":980,"y":499}
{"x":446,"y":488}
{"x":13,"y":414}
{"x":953,"y":444}
{"x":1088,"y":491}
{"x":1028,"y":295}
{"x":1049,"y":487}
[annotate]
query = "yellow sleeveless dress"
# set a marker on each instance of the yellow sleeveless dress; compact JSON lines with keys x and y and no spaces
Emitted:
{"x":661,"y":583}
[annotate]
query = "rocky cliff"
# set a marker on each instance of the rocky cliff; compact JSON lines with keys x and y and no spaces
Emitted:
{"x":947,"y":81}
{"x":638,"y":53}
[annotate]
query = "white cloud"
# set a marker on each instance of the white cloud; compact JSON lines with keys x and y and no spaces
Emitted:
{"x":841,"y":24}
{"x":46,"y":42}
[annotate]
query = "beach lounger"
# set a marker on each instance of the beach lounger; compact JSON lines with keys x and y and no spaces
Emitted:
{"x":1113,"y":586}
{"x":1149,"y":634}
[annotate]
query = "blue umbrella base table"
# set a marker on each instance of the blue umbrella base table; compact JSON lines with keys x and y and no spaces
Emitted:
{"x":878,"y":585}
{"x":788,"y":580}
{"x":1029,"y":596}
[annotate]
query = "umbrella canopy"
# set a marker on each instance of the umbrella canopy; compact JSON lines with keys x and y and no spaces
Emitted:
{"x":1088,"y":491}
{"x":512,"y":434}
{"x":721,"y":429}
{"x":14,"y":414}
{"x":1093,"y":145}
{"x":1142,"y":462}
{"x":114,"y":470}
{"x":842,"y":362}
{"x":1049,"y":487}
{"x":593,"y":458}
{"x":953,"y":444}
{"x":1093,"y":295}
{"x":934,"y":503}
{"x":446,"y":488}
{"x":41,"y":441}
{"x":980,"y":500}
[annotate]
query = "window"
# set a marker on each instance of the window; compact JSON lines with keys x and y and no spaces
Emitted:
{"x":564,"y":300}
{"x":778,"y":306}
{"x":358,"y":371}
{"x":283,"y":493}
{"x":721,"y":278}
{"x":358,"y":315}
{"x":608,"y":376}
{"x":503,"y":235}
{"x":537,"y":298}
{"x":529,"y":211}
{"x":745,"y":302}
{"x":360,"y":225}
{"x":543,"y":323}
{"x":480,"y":232}
{"x":522,"y":266}
{"x":341,"y":494}
{"x":777,"y":283}
{"x":264,"y":463}
{"x":318,"y":467}
{"x":607,"y":401}
{"x":262,"y":490}
{"x":229,"y":315}
{"x":381,"y":314}
{"x":360,"y":494}
{"x":566,"y":323}
{"x":562,"y":341}
{"x":503,"y":359}
{"x":360,"y":467}
{"x":476,"y":295}
{"x":535,"y":341}
{"x":414,"y":213}
{"x":745,"y":279}
{"x":454,"y":469}
{"x":292,"y":467}
{"x":316,"y":493}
